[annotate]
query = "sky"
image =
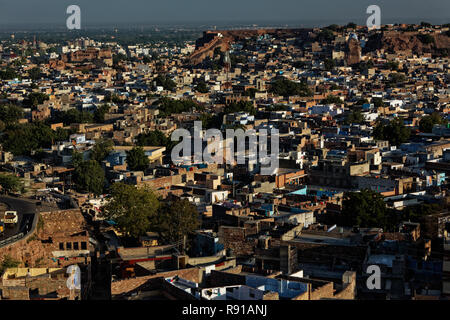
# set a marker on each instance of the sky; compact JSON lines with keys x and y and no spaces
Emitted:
{"x":152,"y":12}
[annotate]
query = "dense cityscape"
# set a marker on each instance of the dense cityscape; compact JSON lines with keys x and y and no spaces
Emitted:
{"x":93,"y":205}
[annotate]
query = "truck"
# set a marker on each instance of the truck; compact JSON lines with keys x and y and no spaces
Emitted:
{"x":10,"y":218}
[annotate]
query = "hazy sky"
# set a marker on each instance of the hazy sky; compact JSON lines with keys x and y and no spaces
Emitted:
{"x":112,"y":12}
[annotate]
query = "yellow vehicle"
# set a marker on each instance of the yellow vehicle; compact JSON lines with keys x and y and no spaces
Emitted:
{"x":2,"y":228}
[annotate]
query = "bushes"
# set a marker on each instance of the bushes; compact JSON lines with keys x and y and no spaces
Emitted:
{"x":8,"y":262}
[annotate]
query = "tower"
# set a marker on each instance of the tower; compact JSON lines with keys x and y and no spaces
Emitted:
{"x":227,"y":68}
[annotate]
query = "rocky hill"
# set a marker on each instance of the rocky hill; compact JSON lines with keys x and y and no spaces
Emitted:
{"x":222,"y":39}
{"x":390,"y":41}
{"x":395,"y":41}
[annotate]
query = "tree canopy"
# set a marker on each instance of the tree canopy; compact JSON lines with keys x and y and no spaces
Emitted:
{"x":155,"y":139}
{"x":133,"y":209}
{"x":168,"y":106}
{"x":177,"y":219}
{"x":202,"y":87}
{"x":395,"y":132}
{"x":355,"y":116}
{"x":99,"y":113}
{"x":22,"y":139}
{"x":165,"y":82}
{"x":34,"y":73}
{"x":367,"y":209}
{"x":364,"y":209}
{"x":8,"y":74}
{"x":10,"y":183}
{"x":331,"y":99}
{"x":285,"y":87}
{"x":241,"y":106}
{"x":89,"y":176}
{"x":9,"y":114}
{"x":101,"y":149}
{"x":427,"y":123}
{"x":72,"y":116}
{"x":35,"y":98}
{"x":136,"y":159}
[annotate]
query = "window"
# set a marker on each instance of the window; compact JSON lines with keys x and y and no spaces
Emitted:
{"x":75,"y":246}
{"x":69,"y":245}
{"x":61,"y":246}
{"x":83,"y":246}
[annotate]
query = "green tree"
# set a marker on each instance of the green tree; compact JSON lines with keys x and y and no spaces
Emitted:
{"x":241,"y":106}
{"x":168,"y":106}
{"x":89,"y":176}
{"x":427,"y":123}
{"x":21,"y":139}
{"x":210,"y":121}
{"x":72,"y":116}
{"x":360,"y":102}
{"x":8,"y":74}
{"x":377,"y":102}
{"x":395,"y":79}
{"x":177,"y":219}
{"x":396,"y":132}
{"x":34,"y":73}
{"x":165,"y":82}
{"x":392,"y":65}
{"x":331,"y":99}
{"x":416,"y":213}
{"x":119,"y":57}
{"x":286,"y":88}
{"x":326,"y":35}
{"x":61,"y":134}
{"x":133,"y":209}
{"x":136,"y":159}
{"x":355,"y":116}
{"x":10,"y":183}
{"x":250,"y":92}
{"x":202,"y":87}
{"x":99,"y":114}
{"x":333,"y":27}
{"x":364,"y":209}
{"x":101,"y":149}
{"x":10,"y":113}
{"x":77,"y":158}
{"x":35,"y":98}
{"x":153,"y":138}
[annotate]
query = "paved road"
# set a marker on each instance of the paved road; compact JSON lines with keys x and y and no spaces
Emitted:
{"x":26,"y":210}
